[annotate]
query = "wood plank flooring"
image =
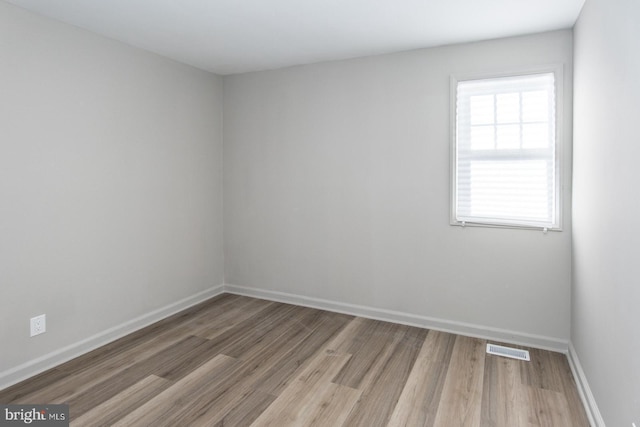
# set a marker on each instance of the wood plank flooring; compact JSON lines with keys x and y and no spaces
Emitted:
{"x":239,"y":361}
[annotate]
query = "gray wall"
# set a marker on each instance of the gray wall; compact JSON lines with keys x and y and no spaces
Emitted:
{"x":337,"y":187}
{"x":110,"y":183}
{"x":606,"y":290}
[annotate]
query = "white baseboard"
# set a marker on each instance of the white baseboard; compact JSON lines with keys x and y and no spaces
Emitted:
{"x":50,"y":360}
{"x":588,"y":401}
{"x":460,"y":328}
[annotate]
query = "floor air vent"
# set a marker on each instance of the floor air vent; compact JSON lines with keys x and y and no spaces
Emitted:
{"x":513,"y":353}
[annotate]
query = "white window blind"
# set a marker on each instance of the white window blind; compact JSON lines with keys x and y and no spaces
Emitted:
{"x":505,"y":151}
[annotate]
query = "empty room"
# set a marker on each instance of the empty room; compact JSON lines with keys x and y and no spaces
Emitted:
{"x":320,"y":213}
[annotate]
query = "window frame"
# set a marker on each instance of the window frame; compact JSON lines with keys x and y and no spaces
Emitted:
{"x":558,"y":72}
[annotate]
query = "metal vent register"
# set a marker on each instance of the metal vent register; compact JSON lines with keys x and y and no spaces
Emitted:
{"x":513,"y":353}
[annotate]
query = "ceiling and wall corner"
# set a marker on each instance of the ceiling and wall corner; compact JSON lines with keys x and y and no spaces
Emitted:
{"x":230,"y":36}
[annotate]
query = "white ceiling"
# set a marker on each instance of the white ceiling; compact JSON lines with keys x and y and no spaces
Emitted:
{"x":234,"y":36}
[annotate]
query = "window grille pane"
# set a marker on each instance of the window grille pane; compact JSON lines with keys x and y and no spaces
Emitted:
{"x":508,"y":108}
{"x":483,"y":137}
{"x":482,"y":110}
{"x":535,"y":135}
{"x":508,"y":137}
{"x":535,"y":106}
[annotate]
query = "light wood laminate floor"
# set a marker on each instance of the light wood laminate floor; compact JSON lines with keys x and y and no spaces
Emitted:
{"x":239,"y":361}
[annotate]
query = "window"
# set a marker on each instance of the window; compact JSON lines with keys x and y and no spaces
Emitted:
{"x":504,"y":152}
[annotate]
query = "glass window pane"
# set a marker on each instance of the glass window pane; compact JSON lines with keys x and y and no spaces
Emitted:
{"x":508,"y":108}
{"x":481,"y":109}
{"x":508,"y":137}
{"x":535,"y":135}
{"x":535,"y":106}
{"x":482,"y":138}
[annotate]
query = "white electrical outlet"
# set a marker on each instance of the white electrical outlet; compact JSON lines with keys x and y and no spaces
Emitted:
{"x":38,"y":325}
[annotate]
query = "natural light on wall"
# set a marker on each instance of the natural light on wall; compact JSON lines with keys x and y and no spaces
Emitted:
{"x":504,"y":153}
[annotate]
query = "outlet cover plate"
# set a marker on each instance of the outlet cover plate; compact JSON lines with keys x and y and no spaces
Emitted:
{"x":38,"y":325}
